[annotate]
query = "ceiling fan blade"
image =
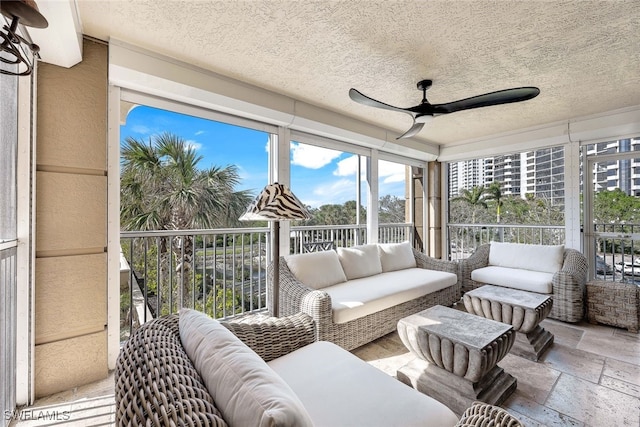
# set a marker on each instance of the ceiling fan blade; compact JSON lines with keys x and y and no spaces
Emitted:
{"x":505,"y":96}
{"x":417,"y":127}
{"x":365,"y":100}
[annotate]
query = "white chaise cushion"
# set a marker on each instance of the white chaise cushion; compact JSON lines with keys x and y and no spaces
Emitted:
{"x":359,"y":297}
{"x":360,"y":261}
{"x":396,"y":256}
{"x":246,"y":390}
{"x":317,"y":269}
{"x":546,"y":258}
{"x":339,"y":389}
{"x":526,"y":280}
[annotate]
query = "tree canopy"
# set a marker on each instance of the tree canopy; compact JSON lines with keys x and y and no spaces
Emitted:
{"x":162,"y":187}
{"x":488,"y":205}
{"x":615,"y":206}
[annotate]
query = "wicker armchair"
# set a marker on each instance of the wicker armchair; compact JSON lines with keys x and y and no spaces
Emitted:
{"x":481,"y":414}
{"x":296,"y":297}
{"x":569,"y":284}
{"x":156,"y":383}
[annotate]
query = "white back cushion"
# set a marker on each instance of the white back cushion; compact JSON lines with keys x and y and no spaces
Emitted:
{"x":246,"y":390}
{"x":317,"y":270}
{"x":545,"y":258}
{"x":396,"y":256}
{"x":360,"y":261}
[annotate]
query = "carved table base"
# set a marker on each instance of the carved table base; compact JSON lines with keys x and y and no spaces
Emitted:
{"x":521,"y":309}
{"x":457,"y":355}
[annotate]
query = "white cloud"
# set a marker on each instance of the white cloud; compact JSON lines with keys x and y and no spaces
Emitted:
{"x":391,"y":172}
{"x":141,"y":129}
{"x":348,"y":166}
{"x":200,"y":132}
{"x":336,"y":192}
{"x":312,"y":157}
{"x":193,"y":144}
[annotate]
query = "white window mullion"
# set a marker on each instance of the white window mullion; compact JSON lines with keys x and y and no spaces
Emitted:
{"x":25,"y":228}
{"x":282,"y":175}
{"x":372,"y":201}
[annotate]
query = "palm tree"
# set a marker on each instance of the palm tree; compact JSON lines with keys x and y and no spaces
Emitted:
{"x":493,"y":192}
{"x":162,"y":188}
{"x":474,"y":198}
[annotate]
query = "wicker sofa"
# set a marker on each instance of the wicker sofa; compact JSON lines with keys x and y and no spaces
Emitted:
{"x":519,"y":266}
{"x":159,"y":381}
{"x":381,"y":284}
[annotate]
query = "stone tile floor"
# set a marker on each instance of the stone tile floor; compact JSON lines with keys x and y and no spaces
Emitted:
{"x":589,"y":377}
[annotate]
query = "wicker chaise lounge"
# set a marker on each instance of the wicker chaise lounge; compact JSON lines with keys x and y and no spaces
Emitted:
{"x":296,"y":296}
{"x":568,"y":283}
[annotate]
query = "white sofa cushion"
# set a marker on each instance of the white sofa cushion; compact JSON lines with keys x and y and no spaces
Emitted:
{"x":339,"y":389}
{"x":526,"y":280}
{"x":317,"y":269}
{"x":396,"y":256}
{"x":246,"y":390}
{"x":360,"y":261}
{"x":547,"y":258}
{"x":360,"y":297}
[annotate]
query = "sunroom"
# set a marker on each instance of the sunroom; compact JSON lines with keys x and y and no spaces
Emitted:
{"x":284,"y":69}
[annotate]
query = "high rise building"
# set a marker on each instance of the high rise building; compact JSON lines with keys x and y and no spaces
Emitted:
{"x":544,"y":174}
{"x":541,"y":173}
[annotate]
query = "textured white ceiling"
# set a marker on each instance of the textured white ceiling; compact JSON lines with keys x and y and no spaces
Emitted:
{"x":584,"y":55}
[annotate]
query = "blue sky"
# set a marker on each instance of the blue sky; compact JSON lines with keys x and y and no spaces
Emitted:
{"x":318,"y":175}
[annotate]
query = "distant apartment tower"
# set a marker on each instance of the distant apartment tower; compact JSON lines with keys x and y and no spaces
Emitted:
{"x":506,"y":170}
{"x":466,"y":174}
{"x":544,"y":174}
{"x":622,"y":174}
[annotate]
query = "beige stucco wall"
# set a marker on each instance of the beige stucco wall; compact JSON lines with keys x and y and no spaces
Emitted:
{"x":71,"y":223}
{"x":434,"y":205}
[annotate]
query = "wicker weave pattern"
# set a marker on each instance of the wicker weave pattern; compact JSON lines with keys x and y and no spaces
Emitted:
{"x":615,"y":304}
{"x":296,"y":297}
{"x":484,"y":415}
{"x":272,"y":337}
{"x":156,"y":383}
{"x":569,"y":289}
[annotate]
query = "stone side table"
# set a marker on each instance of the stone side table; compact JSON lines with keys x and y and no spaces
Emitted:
{"x":457,"y":355}
{"x":521,"y":309}
{"x":614,"y":304}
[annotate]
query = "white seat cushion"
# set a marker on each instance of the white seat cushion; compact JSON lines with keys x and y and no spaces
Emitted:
{"x":317,"y":269}
{"x":360,"y":297}
{"x":339,"y":389}
{"x":246,"y":390}
{"x":526,"y":280}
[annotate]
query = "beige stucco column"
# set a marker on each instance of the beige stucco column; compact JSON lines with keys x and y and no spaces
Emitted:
{"x":414,"y":179}
{"x":434,"y":203}
{"x":71,"y":223}
{"x":433,"y":227}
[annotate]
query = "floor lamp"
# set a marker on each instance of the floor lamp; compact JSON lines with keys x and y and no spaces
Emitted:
{"x":275,"y":203}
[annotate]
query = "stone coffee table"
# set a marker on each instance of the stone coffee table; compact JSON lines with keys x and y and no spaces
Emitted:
{"x":521,"y":309}
{"x":457,"y":355}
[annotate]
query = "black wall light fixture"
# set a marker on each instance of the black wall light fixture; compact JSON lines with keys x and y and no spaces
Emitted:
{"x":12,"y":48}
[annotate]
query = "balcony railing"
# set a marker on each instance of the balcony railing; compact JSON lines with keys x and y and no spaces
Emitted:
{"x":221,"y":272}
{"x":465,"y":238}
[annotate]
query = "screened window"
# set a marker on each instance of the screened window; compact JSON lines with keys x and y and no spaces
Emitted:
{"x":8,"y":159}
{"x":327,"y":181}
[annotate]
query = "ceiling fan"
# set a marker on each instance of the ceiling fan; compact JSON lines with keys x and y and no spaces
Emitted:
{"x":425,"y":111}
